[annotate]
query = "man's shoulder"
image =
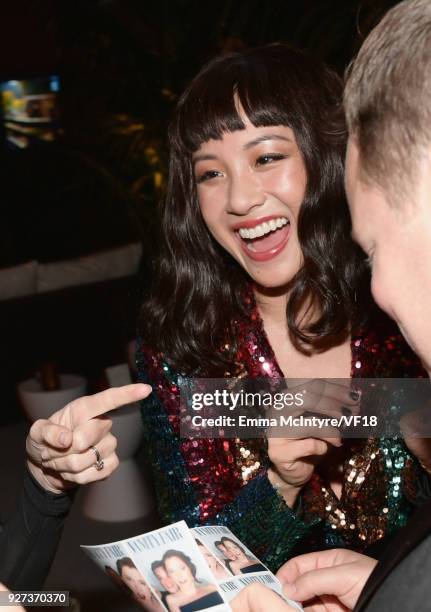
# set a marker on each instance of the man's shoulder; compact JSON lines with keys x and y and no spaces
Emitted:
{"x":401,"y":579}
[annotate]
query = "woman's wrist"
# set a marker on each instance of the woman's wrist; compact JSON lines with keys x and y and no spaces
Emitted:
{"x":40,"y":477}
{"x":287,"y":491}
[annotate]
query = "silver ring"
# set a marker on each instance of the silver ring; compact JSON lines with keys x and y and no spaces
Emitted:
{"x":99,"y":461}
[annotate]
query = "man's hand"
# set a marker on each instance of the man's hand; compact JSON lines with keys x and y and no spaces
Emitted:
{"x":327,"y":581}
{"x":258,"y":598}
{"x":59,"y":449}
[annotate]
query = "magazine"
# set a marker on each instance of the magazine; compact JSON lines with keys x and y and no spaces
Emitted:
{"x":177,"y":569}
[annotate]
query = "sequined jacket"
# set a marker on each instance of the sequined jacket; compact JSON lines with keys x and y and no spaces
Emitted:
{"x":202,"y":480}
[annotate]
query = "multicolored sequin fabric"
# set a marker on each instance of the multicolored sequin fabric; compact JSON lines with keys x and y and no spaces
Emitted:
{"x":218,"y":481}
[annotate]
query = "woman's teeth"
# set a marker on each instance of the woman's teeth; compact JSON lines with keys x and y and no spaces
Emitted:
{"x":263,"y":228}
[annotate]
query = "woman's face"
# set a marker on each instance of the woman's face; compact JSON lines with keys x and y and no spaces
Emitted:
{"x":179,"y":571}
{"x":166,"y":582}
{"x":226,"y":553}
{"x":250,"y":186}
{"x":136,"y":582}
{"x":233,"y":549}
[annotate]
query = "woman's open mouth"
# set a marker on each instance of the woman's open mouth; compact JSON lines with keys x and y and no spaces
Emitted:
{"x":264,"y":240}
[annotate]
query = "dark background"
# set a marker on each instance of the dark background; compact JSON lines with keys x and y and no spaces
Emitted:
{"x":122,"y":65}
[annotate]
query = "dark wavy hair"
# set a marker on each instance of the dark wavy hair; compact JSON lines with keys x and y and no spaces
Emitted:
{"x":226,"y":539}
{"x":125,"y":562}
{"x":155,"y":565}
{"x":198,"y":290}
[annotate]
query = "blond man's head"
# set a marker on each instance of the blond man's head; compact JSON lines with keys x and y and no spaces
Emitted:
{"x":388,"y":97}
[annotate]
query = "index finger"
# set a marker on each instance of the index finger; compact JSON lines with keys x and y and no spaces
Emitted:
{"x":90,"y":406}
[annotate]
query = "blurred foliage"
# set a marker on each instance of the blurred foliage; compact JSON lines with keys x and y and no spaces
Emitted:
{"x":124,"y":63}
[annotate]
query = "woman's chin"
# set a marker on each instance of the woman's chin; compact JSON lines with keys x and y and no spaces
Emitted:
{"x":275,"y":280}
{"x":271,"y":285}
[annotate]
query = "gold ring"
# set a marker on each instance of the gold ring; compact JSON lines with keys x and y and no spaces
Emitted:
{"x":99,"y":461}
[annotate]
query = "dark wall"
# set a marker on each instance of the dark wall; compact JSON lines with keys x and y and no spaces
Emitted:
{"x":122,"y":65}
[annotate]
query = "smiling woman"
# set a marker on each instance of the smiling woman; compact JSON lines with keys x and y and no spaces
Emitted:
{"x":258,"y":277}
{"x":139,"y":587}
{"x":191,"y":595}
{"x":250,"y":186}
{"x":281,"y":110}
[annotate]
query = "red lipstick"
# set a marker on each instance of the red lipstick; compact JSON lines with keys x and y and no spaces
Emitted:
{"x":275,"y":241}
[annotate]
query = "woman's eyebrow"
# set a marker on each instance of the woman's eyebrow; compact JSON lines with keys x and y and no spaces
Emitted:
{"x":264,"y":138}
{"x":203,"y":157}
{"x":248,"y":145}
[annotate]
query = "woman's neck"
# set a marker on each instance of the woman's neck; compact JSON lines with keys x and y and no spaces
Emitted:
{"x":272,"y":304}
{"x":334,"y":362}
{"x":190,"y":588}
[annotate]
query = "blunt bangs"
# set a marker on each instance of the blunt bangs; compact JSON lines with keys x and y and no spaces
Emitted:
{"x":268,"y":83}
{"x":198,"y":287}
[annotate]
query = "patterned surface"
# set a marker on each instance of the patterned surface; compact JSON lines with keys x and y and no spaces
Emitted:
{"x":224,"y":481}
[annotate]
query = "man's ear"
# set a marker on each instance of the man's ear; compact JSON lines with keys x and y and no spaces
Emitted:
{"x":427,"y":168}
{"x":421,"y":188}
{"x":350,"y":163}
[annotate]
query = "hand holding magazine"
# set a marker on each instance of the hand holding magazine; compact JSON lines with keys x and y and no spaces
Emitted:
{"x":177,"y":569}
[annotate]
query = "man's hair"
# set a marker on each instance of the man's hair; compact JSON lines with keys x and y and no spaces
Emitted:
{"x":125,"y":562}
{"x":156,"y":565}
{"x":388,"y":97}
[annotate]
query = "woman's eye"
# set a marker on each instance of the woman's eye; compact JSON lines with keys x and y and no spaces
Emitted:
{"x":207,"y":176}
{"x":263,"y":160}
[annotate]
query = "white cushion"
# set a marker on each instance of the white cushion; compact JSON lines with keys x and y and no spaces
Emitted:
{"x":18,"y":281}
{"x":105,"y":265}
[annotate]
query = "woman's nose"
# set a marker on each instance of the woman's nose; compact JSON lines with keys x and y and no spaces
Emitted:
{"x":245,"y":193}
